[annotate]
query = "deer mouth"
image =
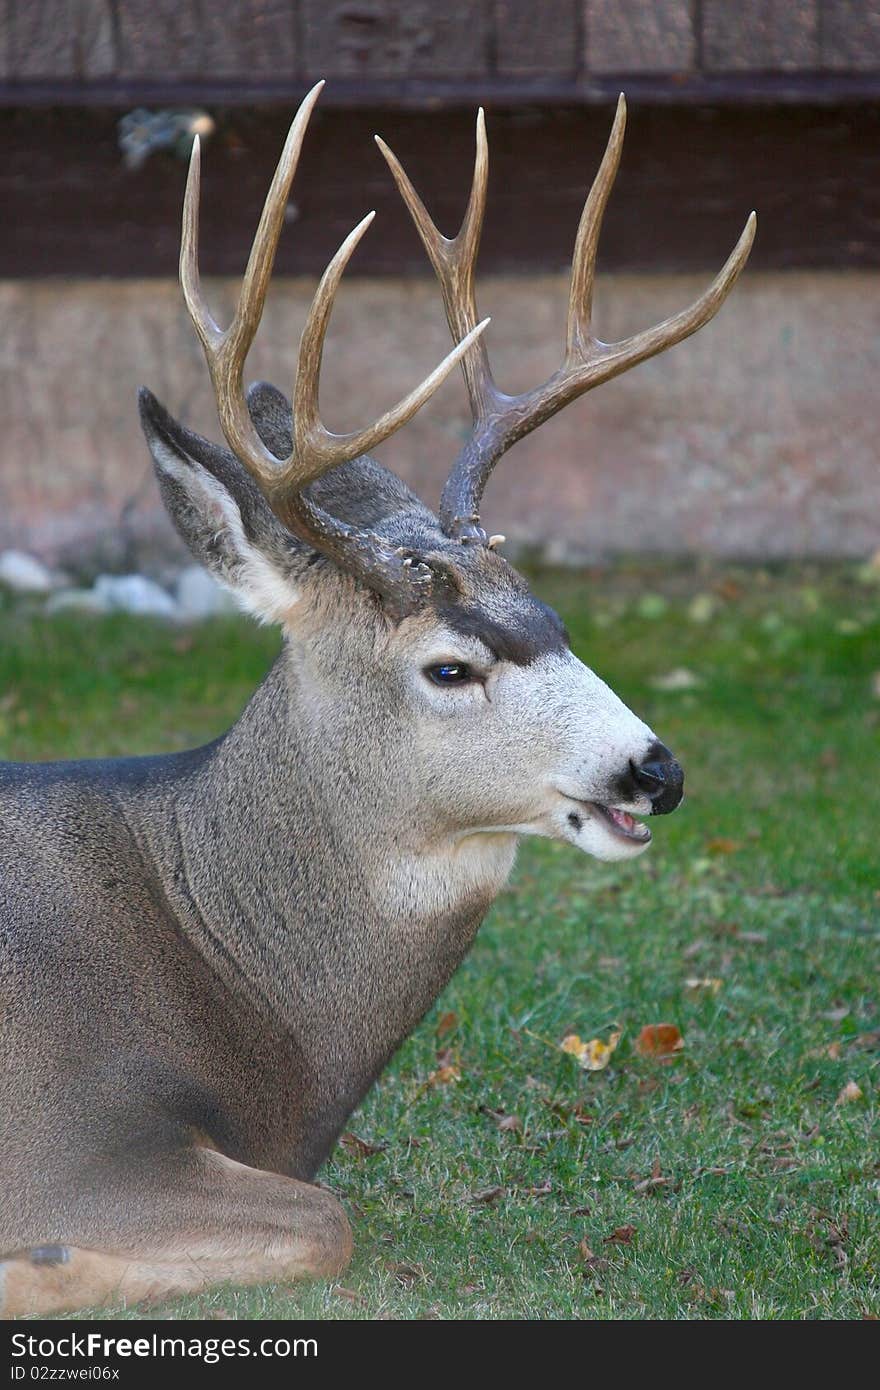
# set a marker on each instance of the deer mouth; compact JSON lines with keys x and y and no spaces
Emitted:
{"x":621,"y":823}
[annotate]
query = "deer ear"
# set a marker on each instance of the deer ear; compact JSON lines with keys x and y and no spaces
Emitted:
{"x":273,"y":419}
{"x":222,"y":516}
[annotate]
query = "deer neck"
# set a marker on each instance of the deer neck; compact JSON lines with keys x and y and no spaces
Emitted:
{"x":302,"y":879}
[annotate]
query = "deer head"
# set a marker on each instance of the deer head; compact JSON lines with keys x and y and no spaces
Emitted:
{"x":416,"y":654}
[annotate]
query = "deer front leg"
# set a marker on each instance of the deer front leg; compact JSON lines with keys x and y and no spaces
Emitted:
{"x":210,"y":1221}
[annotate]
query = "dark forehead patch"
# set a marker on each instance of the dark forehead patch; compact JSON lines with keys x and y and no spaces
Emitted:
{"x":532,"y":630}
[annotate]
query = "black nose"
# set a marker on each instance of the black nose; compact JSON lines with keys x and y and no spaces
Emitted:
{"x":661,"y":778}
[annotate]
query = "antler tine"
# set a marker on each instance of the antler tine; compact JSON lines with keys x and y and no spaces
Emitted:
{"x":583,"y":265}
{"x":190,"y":281}
{"x":315,"y":448}
{"x":619,"y":357}
{"x":454,"y":261}
{"x":500,"y":420}
{"x":227,"y":349}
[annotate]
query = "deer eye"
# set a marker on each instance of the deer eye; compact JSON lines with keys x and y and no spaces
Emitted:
{"x":450,"y":673}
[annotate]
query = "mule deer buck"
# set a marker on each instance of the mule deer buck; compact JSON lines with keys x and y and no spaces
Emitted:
{"x":208,"y":958}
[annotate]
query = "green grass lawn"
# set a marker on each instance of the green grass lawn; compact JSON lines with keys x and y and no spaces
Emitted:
{"x":732,"y":1181}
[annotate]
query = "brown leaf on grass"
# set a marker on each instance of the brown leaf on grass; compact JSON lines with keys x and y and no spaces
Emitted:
{"x":360,"y":1148}
{"x":654,"y":1180}
{"x":722,"y":844}
{"x":659,"y":1040}
{"x":446,"y":1057}
{"x":564,"y":1111}
{"x":833,"y":1050}
{"x":592,"y":1263}
{"x":850,"y":1092}
{"x":406,"y":1274}
{"x":443,"y":1076}
{"x":447,"y":1023}
{"x":508,"y":1124}
{"x":487,"y":1195}
{"x":867,"y":1042}
{"x":621,"y":1235}
{"x":542,"y":1190}
{"x":350,"y":1294}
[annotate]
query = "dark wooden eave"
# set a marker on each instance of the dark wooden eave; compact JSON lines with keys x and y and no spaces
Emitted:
{"x":689,"y":178}
{"x":443,"y":93}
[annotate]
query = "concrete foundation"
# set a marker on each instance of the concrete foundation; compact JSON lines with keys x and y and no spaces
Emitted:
{"x":757,"y":437}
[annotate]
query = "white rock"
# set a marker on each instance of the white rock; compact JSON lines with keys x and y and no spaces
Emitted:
{"x":77,"y":601}
{"x":200,"y":596}
{"x":24,"y":574}
{"x":134,"y":593}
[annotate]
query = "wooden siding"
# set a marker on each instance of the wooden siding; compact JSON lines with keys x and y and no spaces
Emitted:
{"x":421,"y":51}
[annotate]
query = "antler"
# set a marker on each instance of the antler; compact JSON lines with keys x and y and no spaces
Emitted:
{"x":500,"y":420}
{"x":315,"y":450}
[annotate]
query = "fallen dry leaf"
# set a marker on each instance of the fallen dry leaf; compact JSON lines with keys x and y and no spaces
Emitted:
{"x":406,"y":1274}
{"x":593,"y":1055}
{"x":487,"y":1195}
{"x":447,"y":1023}
{"x":361,"y":1148}
{"x":655,"y":1180}
{"x":349,"y":1294}
{"x":850,"y":1092}
{"x":576,"y":1112}
{"x":833,"y":1051}
{"x":720,"y":844}
{"x":621,"y":1235}
{"x":659,"y":1040}
{"x":443,"y":1076}
{"x":542,"y":1190}
{"x":508,"y":1124}
{"x":710,"y":983}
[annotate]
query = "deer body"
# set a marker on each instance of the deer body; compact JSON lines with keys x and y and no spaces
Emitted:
{"x":206,"y":959}
{"x":271,"y":986}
